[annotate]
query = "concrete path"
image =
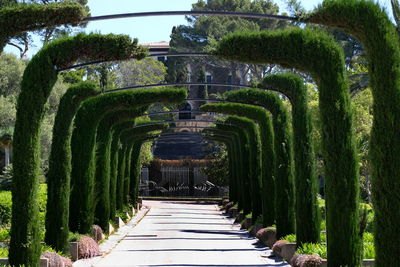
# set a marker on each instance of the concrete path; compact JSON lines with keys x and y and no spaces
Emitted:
{"x":187,"y":234}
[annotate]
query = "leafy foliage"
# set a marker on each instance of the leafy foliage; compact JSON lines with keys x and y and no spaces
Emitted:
{"x":217,"y":170}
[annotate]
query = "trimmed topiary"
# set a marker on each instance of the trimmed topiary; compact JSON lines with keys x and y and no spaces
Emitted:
{"x":370,"y":24}
{"x":58,"y":176}
{"x":283,"y":157}
{"x":307,"y":212}
{"x":38,"y":80}
{"x":322,"y":58}
{"x":83,"y":144}
{"x":20,"y":17}
{"x":263,"y":118}
{"x":254,"y":148}
{"x":307,"y":215}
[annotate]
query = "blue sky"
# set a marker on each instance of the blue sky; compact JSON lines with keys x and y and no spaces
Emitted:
{"x":150,"y":29}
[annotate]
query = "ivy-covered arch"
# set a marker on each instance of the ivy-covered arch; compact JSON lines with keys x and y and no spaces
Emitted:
{"x":20,"y":17}
{"x":277,"y":161}
{"x":307,"y":212}
{"x":321,"y":57}
{"x":59,"y":174}
{"x":37,"y":83}
{"x":370,"y":24}
{"x":83,"y":143}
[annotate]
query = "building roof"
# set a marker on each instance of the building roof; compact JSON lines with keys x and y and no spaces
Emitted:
{"x":161,"y":44}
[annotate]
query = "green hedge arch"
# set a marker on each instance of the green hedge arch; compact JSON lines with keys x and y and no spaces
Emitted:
{"x":306,"y":185}
{"x":83,"y":144}
{"x":277,"y":160}
{"x":103,"y":161}
{"x":321,"y":57}
{"x":242,"y":145}
{"x":230,"y":132}
{"x":20,"y":17}
{"x":282,"y":155}
{"x":307,"y":212}
{"x":234,"y":162}
{"x":254,"y":148}
{"x":129,"y":136}
{"x":37,"y":82}
{"x":370,"y":24}
{"x":58,"y":176}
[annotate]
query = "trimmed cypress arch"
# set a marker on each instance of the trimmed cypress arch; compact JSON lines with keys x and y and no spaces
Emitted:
{"x":103,"y":161}
{"x":20,"y":17}
{"x":83,"y":143}
{"x":281,"y":188}
{"x":37,"y":83}
{"x":58,"y":176}
{"x":369,"y":23}
{"x":307,"y":212}
{"x":321,"y":57}
{"x":253,"y":141}
{"x":241,"y":143}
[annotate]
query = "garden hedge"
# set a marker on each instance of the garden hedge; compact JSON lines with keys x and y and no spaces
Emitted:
{"x":284,"y":159}
{"x":254,"y":148}
{"x":267,"y":184}
{"x":20,"y":17}
{"x":83,"y":144}
{"x":103,"y":161}
{"x":37,"y":82}
{"x":238,"y":153}
{"x":59,"y":174}
{"x":306,"y":185}
{"x":141,"y":128}
{"x":370,"y":24}
{"x":322,"y":58}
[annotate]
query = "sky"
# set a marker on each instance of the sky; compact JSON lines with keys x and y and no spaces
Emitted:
{"x":149,"y":29}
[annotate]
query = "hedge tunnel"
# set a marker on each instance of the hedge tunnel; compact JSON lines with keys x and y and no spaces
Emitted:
{"x":37,"y":83}
{"x":58,"y":176}
{"x":280,"y":147}
{"x":242,"y":146}
{"x":279,"y":191}
{"x":307,"y":212}
{"x":254,"y":160}
{"x":83,"y":144}
{"x":370,"y":24}
{"x":322,"y":58}
{"x":103,"y":161}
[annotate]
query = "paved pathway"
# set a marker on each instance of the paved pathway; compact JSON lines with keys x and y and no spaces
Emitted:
{"x":186,"y":234}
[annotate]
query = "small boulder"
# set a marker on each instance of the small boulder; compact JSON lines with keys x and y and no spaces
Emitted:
{"x":233,"y":212}
{"x":87,"y":248}
{"x":301,"y":260}
{"x":56,"y":260}
{"x":228,"y":206}
{"x":97,"y":233}
{"x":277,"y":247}
{"x":267,"y":236}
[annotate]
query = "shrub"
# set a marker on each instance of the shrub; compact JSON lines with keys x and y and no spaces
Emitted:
{"x":368,"y":250}
{"x":290,"y":238}
{"x":6,"y":178}
{"x":4,"y":234}
{"x":74,"y":237}
{"x":5,"y":207}
{"x":310,"y":249}
{"x":3,"y":252}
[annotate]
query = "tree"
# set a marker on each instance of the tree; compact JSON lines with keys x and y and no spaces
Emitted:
{"x":203,"y":32}
{"x":217,"y":169}
{"x":135,"y":72}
